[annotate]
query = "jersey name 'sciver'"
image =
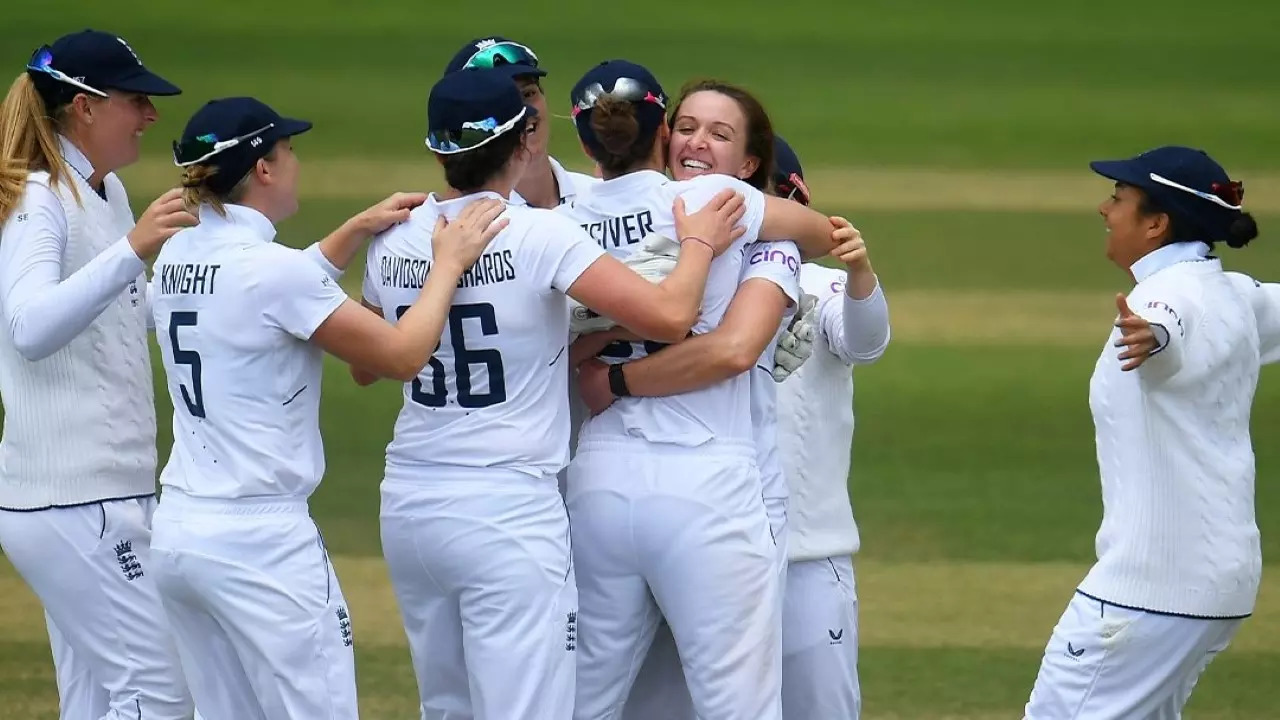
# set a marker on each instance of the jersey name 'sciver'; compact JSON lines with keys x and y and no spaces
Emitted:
{"x":621,"y":212}
{"x":233,"y":313}
{"x":495,"y":393}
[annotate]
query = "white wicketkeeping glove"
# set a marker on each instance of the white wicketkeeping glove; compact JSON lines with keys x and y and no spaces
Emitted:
{"x":653,"y":260}
{"x":795,"y":345}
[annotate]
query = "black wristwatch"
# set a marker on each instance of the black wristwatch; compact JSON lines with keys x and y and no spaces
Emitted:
{"x":618,"y":381}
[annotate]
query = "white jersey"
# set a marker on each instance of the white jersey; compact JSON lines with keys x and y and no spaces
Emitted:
{"x":618,"y":214}
{"x":233,"y":314}
{"x":569,"y":184}
{"x":779,"y":263}
{"x":495,"y":394}
{"x":815,"y":429}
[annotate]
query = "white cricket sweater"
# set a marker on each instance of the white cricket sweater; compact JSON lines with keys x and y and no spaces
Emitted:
{"x":815,"y":416}
{"x":1174,"y":452}
{"x":79,"y":422}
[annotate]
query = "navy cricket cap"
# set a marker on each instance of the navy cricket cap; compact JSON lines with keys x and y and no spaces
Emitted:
{"x":1184,"y":182}
{"x":93,"y":62}
{"x":788,"y":175}
{"x":496,"y":53}
{"x":468,"y":108}
{"x":625,"y":81}
{"x":232,"y":134}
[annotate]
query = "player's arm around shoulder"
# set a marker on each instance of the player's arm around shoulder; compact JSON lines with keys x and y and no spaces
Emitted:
{"x":731,"y":348}
{"x":354,"y":334}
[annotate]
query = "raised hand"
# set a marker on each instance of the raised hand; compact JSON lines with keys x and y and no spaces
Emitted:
{"x":392,"y":211}
{"x":1135,"y":334}
{"x":162,"y":219}
{"x":460,"y":243}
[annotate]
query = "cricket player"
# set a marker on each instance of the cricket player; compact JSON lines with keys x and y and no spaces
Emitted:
{"x":261,"y":625}
{"x":717,"y":128}
{"x":545,"y":183}
{"x":664,"y":493}
{"x":1179,"y":560}
{"x":78,"y":455}
{"x":474,"y":528}
{"x":846,"y":325}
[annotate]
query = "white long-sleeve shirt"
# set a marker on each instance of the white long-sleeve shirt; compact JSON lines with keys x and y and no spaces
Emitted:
{"x":815,"y":415}
{"x":75,"y":373}
{"x":43,"y":308}
{"x":1174,"y":452}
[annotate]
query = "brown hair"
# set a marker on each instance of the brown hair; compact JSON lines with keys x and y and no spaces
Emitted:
{"x":28,"y":143}
{"x":196,"y":190}
{"x":619,"y":144}
{"x":469,"y":171}
{"x":759,"y":126}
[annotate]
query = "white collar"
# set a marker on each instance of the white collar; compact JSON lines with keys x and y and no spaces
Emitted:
{"x":1167,"y":255}
{"x":75,"y":158}
{"x":452,"y":207}
{"x":240,"y":216}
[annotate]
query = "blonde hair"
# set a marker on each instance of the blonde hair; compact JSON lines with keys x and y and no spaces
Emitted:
{"x":28,"y":143}
{"x":196,"y":190}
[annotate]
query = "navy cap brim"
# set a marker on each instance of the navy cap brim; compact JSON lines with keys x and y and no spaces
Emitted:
{"x":1128,"y":172}
{"x":288,"y":127}
{"x":146,"y":82}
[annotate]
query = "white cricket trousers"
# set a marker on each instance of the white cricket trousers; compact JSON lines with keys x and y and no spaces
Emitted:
{"x":262,"y":627}
{"x":820,"y":641}
{"x":1106,"y":662}
{"x":481,"y":565}
{"x":660,"y":690}
{"x":91,"y":566}
{"x":681,"y":533}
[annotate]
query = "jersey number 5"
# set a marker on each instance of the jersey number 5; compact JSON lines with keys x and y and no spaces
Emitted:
{"x":191,"y":358}
{"x":464,"y":359}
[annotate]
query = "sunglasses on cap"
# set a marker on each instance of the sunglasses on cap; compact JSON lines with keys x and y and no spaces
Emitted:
{"x":471,"y":135}
{"x":1228,"y":195}
{"x":202,"y":147}
{"x":42,"y":61}
{"x":624,"y":88}
{"x":793,"y":188}
{"x":499,"y":54}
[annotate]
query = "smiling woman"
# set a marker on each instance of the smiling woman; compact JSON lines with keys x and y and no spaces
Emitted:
{"x":78,"y":455}
{"x":1178,"y":565}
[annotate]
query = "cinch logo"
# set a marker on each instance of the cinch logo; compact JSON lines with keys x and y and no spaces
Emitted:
{"x":775,"y":256}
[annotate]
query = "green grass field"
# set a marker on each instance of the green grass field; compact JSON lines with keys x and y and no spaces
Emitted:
{"x":956,"y":135}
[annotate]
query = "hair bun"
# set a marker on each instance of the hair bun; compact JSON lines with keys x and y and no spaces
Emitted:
{"x":1243,"y":229}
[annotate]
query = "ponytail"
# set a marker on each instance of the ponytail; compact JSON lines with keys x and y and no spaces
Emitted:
{"x":28,"y":143}
{"x":620,"y":146}
{"x":1242,"y":229}
{"x":197,"y":187}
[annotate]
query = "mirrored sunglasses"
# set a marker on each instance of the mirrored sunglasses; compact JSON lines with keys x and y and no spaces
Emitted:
{"x":1228,"y":195}
{"x":503,"y":53}
{"x":624,"y":88}
{"x":201,"y":148}
{"x":471,"y":135}
{"x":42,"y":61}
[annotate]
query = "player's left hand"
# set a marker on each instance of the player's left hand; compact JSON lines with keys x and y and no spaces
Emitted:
{"x":1135,"y":334}
{"x":391,"y":211}
{"x":795,"y":345}
{"x":850,"y":248}
{"x":593,"y":386}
